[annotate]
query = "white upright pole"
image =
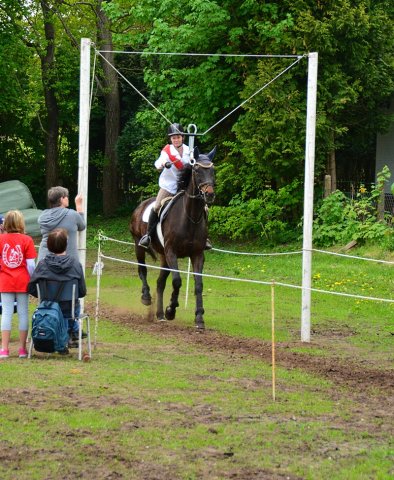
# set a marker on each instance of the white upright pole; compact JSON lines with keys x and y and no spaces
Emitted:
{"x":83,"y":156}
{"x":308,"y":197}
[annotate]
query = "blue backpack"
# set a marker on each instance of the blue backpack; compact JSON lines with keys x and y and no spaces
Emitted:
{"x":49,"y":327}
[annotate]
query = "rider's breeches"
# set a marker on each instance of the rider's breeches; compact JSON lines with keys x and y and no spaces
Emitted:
{"x":160,"y":197}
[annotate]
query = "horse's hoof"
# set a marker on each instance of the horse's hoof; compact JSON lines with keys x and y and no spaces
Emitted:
{"x":146,"y":301}
{"x":200,"y":327}
{"x":161,"y":319}
{"x":170,"y":313}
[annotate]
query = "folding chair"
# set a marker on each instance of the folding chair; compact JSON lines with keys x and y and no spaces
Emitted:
{"x":48,"y":289}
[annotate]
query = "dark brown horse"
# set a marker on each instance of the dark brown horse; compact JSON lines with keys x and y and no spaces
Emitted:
{"x":185,"y":233}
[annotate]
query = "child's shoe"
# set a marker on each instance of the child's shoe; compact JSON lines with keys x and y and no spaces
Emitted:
{"x":22,"y":353}
{"x":4,"y":353}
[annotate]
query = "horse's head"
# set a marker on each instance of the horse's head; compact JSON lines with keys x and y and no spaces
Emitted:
{"x":203,"y":174}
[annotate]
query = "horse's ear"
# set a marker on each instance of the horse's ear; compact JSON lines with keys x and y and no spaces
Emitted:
{"x":196,"y":152}
{"x":212,"y":154}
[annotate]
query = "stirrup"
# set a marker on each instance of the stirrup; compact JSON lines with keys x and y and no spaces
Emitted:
{"x":144,"y":241}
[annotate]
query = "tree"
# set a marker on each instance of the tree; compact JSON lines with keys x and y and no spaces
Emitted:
{"x":20,"y":148}
{"x":112,"y":112}
{"x":47,"y":58}
{"x":261,"y":145}
{"x":200,"y":90}
{"x":35,"y":25}
{"x":52,"y":31}
{"x":355,"y":42}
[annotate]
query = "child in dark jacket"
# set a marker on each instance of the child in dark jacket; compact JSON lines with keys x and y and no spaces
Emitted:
{"x":59,"y":266}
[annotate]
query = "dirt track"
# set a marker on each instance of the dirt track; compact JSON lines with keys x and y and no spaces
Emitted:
{"x":370,"y":388}
{"x":366,"y":388}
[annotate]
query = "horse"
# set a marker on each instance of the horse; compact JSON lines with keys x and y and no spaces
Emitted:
{"x":184,"y":229}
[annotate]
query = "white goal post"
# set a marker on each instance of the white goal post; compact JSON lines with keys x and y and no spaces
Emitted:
{"x":83,"y":151}
{"x":83,"y":161}
{"x":308,"y":197}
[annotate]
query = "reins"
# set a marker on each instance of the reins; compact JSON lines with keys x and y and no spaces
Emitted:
{"x":200,"y":194}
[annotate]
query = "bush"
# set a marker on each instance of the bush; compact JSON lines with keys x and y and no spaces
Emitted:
{"x":266,"y":218}
{"x":340,"y":219}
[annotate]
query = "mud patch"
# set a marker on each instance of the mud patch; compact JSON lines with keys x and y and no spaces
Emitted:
{"x":341,"y":371}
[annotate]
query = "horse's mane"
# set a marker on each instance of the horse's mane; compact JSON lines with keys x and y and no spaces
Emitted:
{"x":184,"y":177}
{"x":186,"y":172}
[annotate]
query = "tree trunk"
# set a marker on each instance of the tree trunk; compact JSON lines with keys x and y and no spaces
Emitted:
{"x":52,"y":121}
{"x":332,"y":169}
{"x":112,"y":116}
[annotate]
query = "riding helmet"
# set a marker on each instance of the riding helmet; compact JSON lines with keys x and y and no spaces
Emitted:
{"x":175,"y":129}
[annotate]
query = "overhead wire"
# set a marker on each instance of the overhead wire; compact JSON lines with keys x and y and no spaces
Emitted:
{"x":298,"y":59}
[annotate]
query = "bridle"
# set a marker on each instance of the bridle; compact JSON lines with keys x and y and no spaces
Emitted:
{"x":204,"y":189}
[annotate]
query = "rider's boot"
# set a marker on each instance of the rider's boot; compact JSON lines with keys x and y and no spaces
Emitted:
{"x":152,"y":222}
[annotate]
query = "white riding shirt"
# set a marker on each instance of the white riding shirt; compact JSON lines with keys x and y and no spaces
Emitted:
{"x":169,"y":176}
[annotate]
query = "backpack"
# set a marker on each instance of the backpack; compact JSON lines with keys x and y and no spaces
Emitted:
{"x":49,"y":327}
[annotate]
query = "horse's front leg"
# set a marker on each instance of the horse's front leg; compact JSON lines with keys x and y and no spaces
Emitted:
{"x":198,"y":264}
{"x":172,"y":261}
{"x":146,"y":298}
{"x":160,"y":286}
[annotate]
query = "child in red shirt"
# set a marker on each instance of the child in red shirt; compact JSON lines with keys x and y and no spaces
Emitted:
{"x":16,"y":266}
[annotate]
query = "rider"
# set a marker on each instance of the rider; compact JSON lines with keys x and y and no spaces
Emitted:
{"x":172,"y":159}
{"x":178,"y":154}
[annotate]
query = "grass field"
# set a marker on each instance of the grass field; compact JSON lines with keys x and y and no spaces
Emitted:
{"x":160,"y":401}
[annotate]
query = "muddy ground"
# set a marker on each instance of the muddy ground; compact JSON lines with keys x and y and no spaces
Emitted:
{"x":369,"y":385}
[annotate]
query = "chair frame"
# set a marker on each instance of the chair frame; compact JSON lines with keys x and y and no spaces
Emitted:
{"x":80,"y":319}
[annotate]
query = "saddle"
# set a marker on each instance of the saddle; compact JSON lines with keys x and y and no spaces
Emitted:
{"x":167,"y":204}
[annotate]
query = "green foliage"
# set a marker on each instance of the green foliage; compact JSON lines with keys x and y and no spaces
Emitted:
{"x":263,"y":143}
{"x":264,"y":218}
{"x":23,"y":108}
{"x":340,"y":219}
{"x":138,"y":147}
{"x":271,"y":134}
{"x":260,"y":145}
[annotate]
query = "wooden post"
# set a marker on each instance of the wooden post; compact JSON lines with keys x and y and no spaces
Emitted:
{"x":327,"y":186}
{"x":273,"y":340}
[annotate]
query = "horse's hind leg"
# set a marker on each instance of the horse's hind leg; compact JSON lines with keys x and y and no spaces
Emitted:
{"x":146,"y":298}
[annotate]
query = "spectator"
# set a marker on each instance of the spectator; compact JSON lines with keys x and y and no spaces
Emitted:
{"x":17,"y":254}
{"x":59,"y":266}
{"x":2,"y":231}
{"x":60,"y":216}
